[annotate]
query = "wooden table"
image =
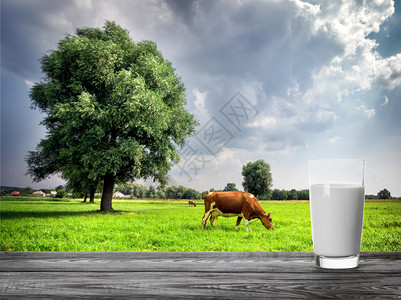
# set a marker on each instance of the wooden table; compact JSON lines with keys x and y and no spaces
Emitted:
{"x":194,"y":275}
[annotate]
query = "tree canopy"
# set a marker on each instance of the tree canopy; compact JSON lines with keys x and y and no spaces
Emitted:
{"x":384,"y":194}
{"x":230,"y":187}
{"x":115,"y":110}
{"x":257,"y":178}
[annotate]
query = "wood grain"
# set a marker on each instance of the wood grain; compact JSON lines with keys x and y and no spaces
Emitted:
{"x":194,"y":275}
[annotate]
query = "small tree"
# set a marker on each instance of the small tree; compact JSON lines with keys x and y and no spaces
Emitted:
{"x":230,"y":187}
{"x":384,"y":194}
{"x":257,"y":178}
{"x":26,"y":191}
{"x":61,"y":194}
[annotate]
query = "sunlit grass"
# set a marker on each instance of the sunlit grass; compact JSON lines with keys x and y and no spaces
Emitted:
{"x":37,"y":224}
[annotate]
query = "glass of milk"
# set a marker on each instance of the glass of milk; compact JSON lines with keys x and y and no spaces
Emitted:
{"x":337,"y":197}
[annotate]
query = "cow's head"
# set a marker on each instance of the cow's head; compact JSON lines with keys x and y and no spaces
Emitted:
{"x":267,"y":221}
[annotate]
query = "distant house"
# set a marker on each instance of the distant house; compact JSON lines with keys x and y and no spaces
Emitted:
{"x":15,"y":193}
{"x":39,"y":193}
{"x":118,"y":195}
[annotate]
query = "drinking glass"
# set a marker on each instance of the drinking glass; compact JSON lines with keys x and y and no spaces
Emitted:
{"x":337,"y":198}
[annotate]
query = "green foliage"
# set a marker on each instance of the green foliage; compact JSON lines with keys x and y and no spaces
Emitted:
{"x":60,"y":187}
{"x":292,"y":195}
{"x":140,"y":191}
{"x":257,"y":178}
{"x":42,"y":224}
{"x":279,"y":194}
{"x":191,"y":194}
{"x":303,"y":195}
{"x":230,"y":187}
{"x":115,"y":110}
{"x":61,"y":194}
{"x":27,"y":191}
{"x":384,"y":194}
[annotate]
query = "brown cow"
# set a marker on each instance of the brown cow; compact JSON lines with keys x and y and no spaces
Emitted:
{"x":190,"y":202}
{"x":234,"y":204}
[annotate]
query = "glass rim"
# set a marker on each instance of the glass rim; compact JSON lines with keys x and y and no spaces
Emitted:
{"x":339,"y":164}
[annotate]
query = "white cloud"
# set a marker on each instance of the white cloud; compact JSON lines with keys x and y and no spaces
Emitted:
{"x":324,"y":116}
{"x":367,"y":112}
{"x":200,"y":98}
{"x":200,"y":103}
{"x":220,"y":169}
{"x":357,"y":65}
{"x":29,"y":83}
{"x":333,"y":139}
{"x":84,"y":4}
{"x":385,"y":103}
{"x":389,"y":71}
{"x":266,"y":122}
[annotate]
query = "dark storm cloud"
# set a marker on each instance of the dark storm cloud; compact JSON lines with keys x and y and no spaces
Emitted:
{"x":262,"y":42}
{"x":184,"y":10}
{"x":23,"y":34}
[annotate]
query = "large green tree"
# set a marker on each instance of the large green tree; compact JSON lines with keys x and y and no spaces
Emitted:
{"x":257,"y":178}
{"x":115,"y":109}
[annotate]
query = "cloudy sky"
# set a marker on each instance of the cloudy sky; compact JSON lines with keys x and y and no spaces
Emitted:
{"x":283,"y":81}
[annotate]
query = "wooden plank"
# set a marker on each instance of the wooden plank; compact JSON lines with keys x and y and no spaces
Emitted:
{"x":194,"y":275}
{"x":185,"y":284}
{"x":178,"y":262}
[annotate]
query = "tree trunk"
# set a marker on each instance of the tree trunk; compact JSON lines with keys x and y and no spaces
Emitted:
{"x":86,"y":196}
{"x":107,"y":196}
{"x":92,"y":192}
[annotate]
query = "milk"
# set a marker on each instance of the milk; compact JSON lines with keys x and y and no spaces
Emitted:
{"x":337,"y":217}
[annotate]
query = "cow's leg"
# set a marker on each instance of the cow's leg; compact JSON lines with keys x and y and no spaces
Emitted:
{"x":204,"y":219}
{"x":207,"y":214}
{"x":213,"y":218}
{"x":246,"y":225}
{"x":208,"y":211}
{"x":238,"y":222}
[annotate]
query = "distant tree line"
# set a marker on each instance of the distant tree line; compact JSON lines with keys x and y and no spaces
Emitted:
{"x":136,"y":190}
{"x":289,"y":195}
{"x":5,"y":190}
{"x":140,"y":191}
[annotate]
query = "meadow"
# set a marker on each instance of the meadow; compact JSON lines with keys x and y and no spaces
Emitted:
{"x":50,"y":224}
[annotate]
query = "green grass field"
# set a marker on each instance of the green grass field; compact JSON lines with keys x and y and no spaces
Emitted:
{"x":48,"y":224}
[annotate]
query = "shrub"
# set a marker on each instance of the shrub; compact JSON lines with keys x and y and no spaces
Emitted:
{"x":61,"y":194}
